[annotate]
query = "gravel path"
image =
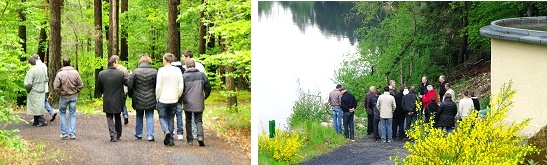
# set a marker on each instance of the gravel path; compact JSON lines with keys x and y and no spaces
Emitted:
{"x":92,"y":145}
{"x":362,"y":151}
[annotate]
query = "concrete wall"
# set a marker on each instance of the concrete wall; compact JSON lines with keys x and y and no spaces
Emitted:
{"x":526,"y":65}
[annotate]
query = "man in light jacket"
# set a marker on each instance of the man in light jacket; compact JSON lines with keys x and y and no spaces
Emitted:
{"x":35,"y":83}
{"x":68,"y":83}
{"x":169,"y":87}
{"x":334,"y":101}
{"x":196,"y":90}
{"x":386,"y":105}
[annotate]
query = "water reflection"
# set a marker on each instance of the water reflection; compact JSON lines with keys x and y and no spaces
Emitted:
{"x":293,"y":41}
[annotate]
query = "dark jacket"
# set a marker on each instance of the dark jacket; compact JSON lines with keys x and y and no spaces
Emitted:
{"x":347,"y":102}
{"x":409,"y":102}
{"x":372,"y":105}
{"x":196,"y":90}
{"x":399,"y":112}
{"x":446,"y":114}
{"x":110,"y":83}
{"x":442,"y":90}
{"x":430,"y":110}
{"x":142,"y":87}
{"x":367,"y":101}
{"x":179,"y":65}
{"x":476,"y":103}
{"x":423,"y":88}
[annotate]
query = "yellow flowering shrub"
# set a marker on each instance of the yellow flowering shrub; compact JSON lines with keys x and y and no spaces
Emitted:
{"x":283,"y":147}
{"x":474,"y":141}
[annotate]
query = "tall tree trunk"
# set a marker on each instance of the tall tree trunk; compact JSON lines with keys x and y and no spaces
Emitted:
{"x":98,"y":21}
{"x":153,"y":43}
{"x":54,"y":42}
{"x":42,"y":42}
{"x":22,"y":29}
{"x":123,"y":45}
{"x":113,"y":28}
{"x":230,"y":80}
{"x":463,"y":51}
{"x":202,"y":33}
{"x":173,"y":28}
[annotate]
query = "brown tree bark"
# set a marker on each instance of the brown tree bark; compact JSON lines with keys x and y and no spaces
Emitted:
{"x":22,"y":29}
{"x":98,"y":21}
{"x":124,"y":52}
{"x":42,"y":43}
{"x":173,"y":28}
{"x":202,"y":32}
{"x":54,"y":43}
{"x":230,"y":86}
{"x":113,"y":28}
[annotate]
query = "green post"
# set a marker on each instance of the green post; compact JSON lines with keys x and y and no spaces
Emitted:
{"x":272,"y":128}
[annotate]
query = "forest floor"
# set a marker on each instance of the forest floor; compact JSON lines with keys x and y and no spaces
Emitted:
{"x":92,"y":145}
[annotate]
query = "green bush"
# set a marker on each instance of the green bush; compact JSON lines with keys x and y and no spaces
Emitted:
{"x":308,"y":107}
{"x":318,"y":139}
{"x":475,"y":141}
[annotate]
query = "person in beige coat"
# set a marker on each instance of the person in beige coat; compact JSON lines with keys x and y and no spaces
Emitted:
{"x":386,"y":105}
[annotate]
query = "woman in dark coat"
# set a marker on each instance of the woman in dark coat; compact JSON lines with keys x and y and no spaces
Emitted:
{"x":142,"y":88}
{"x":446,"y":114}
{"x":110,"y":83}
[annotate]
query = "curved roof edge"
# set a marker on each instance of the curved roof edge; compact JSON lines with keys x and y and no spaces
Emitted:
{"x":496,"y":31}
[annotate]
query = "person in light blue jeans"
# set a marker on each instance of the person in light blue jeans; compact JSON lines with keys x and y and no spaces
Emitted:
{"x":386,"y":128}
{"x":334,"y":101}
{"x":68,"y":83}
{"x":141,"y":87}
{"x":337,"y":119}
{"x":71,"y":104}
{"x":49,"y":109}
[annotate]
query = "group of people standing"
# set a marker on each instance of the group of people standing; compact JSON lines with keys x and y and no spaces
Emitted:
{"x":391,"y":113}
{"x":170,"y":89}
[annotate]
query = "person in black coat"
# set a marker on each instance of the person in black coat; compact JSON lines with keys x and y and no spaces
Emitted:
{"x":476,"y":102}
{"x":142,"y":88}
{"x":376,"y":113}
{"x":442,"y":84}
{"x":423,"y":86}
{"x":348,"y":104}
{"x":409,"y":106}
{"x":399,"y":116}
{"x":430,"y":110}
{"x":110,"y":84}
{"x":446,"y":114}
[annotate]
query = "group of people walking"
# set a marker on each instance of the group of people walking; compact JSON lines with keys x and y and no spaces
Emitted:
{"x":391,"y":113}
{"x":170,"y":89}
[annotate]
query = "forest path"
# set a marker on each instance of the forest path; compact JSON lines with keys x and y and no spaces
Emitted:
{"x":362,"y":151}
{"x":92,"y":144}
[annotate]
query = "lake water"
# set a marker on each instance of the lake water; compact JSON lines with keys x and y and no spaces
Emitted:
{"x":296,"y":42}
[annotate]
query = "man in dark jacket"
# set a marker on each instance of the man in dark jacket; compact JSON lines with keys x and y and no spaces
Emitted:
{"x":370,"y":114}
{"x":376,"y":113}
{"x":423,"y":86}
{"x":446,"y":114}
{"x":110,"y":83}
{"x":348,"y":104}
{"x":442,"y":89}
{"x":399,"y":116}
{"x":476,"y":102}
{"x":196,"y":90}
{"x":178,"y":113}
{"x":409,"y":105}
{"x":142,"y":88}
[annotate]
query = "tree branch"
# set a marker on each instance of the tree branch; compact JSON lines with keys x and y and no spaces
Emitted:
{"x":405,"y":48}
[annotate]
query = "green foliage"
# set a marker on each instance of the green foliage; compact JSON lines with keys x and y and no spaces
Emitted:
{"x":8,"y":139}
{"x":475,"y":141}
{"x":308,"y":108}
{"x":318,"y":139}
